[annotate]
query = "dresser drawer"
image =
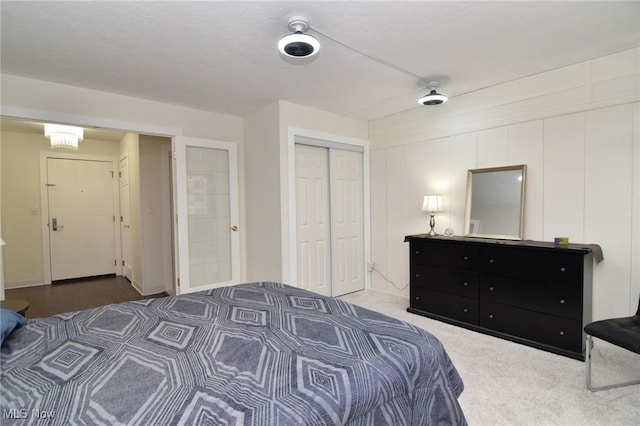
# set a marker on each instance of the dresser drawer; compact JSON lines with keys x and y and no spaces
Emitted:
{"x":532,"y":264}
{"x":547,"y":329}
{"x":562,"y":299}
{"x":444,"y":304}
{"x":449,"y":255}
{"x":460,"y":282}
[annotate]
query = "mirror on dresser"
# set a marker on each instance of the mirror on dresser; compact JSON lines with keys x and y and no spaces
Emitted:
{"x":495,"y":202}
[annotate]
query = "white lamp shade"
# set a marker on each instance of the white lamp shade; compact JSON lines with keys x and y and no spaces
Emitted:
{"x":432,"y":203}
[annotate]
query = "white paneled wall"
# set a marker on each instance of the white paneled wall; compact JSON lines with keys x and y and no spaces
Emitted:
{"x":578,"y":136}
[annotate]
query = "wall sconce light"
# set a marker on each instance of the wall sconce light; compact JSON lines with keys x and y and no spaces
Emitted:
{"x":432,"y":203}
{"x":63,"y":137}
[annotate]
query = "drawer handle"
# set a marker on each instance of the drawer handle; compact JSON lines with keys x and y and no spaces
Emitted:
{"x":417,"y":252}
{"x":491,"y":261}
{"x":465,"y":284}
{"x":417,"y":297}
{"x":465,"y":310}
{"x":562,"y":269}
{"x":562,"y":332}
{"x":465,"y":258}
{"x":417,"y":275}
{"x":490,"y":288}
{"x":562,"y":301}
{"x":491,"y":316}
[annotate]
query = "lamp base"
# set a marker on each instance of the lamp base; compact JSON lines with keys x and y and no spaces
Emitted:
{"x":432,"y":223}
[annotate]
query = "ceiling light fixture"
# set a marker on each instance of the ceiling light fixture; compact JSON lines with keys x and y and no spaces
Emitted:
{"x":63,"y":137}
{"x":298,"y":44}
{"x":433,"y":97}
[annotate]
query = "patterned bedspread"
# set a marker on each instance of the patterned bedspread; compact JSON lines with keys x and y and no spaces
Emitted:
{"x":254,"y":354}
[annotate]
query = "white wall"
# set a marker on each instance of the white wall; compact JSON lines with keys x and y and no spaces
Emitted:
{"x":156,"y":215}
{"x":262,"y":184}
{"x":576,"y":128}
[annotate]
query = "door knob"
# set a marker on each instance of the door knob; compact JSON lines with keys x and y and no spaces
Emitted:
{"x":234,"y":228}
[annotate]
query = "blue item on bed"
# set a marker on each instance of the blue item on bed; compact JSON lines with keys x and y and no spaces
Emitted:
{"x":252,"y":354}
{"x":9,"y":320}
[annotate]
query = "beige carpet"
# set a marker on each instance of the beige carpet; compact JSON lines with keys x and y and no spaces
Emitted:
{"x":512,"y":384}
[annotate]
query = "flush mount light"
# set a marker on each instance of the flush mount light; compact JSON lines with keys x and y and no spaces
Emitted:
{"x":63,"y":137}
{"x":433,"y":97}
{"x":298,"y":44}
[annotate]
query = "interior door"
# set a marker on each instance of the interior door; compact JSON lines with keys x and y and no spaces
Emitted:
{"x":313,"y":227}
{"x":347,"y":221}
{"x":207,"y":214}
{"x":81,"y":218}
{"x":125,"y":218}
{"x":329,"y":219}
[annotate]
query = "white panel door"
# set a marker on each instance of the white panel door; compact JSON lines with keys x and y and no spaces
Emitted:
{"x":81,"y":218}
{"x":313,"y":228}
{"x":347,"y":227}
{"x":207,"y":211}
{"x":329,"y":220}
{"x":125,"y":218}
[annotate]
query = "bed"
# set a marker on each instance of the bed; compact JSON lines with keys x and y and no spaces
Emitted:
{"x":255,"y":354}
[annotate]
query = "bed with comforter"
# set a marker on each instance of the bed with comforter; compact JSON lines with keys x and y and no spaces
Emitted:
{"x":253,"y":354}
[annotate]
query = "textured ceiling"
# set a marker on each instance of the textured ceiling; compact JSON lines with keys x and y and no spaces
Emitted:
{"x":222,"y":56}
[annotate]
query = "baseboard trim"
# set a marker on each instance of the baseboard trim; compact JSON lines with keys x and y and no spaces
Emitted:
{"x":23,"y":284}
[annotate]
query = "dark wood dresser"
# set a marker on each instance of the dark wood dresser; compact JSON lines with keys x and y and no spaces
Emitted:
{"x":529,"y":292}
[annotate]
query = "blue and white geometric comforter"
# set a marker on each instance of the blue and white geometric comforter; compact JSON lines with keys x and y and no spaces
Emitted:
{"x":252,"y":354}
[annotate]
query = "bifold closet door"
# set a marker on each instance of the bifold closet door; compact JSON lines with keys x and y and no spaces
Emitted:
{"x":313,"y":228}
{"x":347,"y":221}
{"x":329,"y":210}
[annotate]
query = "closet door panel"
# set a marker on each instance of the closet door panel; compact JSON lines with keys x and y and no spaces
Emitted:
{"x":313,"y":219}
{"x":347,"y":228}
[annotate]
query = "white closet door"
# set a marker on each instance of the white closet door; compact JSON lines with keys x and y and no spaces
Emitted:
{"x":313,"y":219}
{"x":207,"y":207}
{"x":330,"y":221}
{"x":347,"y":224}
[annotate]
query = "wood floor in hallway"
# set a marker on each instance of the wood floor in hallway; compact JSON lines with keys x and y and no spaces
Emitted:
{"x":75,"y":295}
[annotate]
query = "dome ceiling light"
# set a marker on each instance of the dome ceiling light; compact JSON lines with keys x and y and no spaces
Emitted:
{"x":433,"y":97}
{"x":298,"y":44}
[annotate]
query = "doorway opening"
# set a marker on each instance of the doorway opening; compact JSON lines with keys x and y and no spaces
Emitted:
{"x":26,"y":206}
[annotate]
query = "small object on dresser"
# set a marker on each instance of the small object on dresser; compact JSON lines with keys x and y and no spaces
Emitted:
{"x":448,"y":232}
{"x":563,"y":241}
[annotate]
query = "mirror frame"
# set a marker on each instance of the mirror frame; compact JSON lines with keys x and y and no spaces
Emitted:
{"x":469,"y":200}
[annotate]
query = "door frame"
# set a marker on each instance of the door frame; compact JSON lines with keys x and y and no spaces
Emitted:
{"x":289,"y":221}
{"x":181,"y":236}
{"x":44,"y":205}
